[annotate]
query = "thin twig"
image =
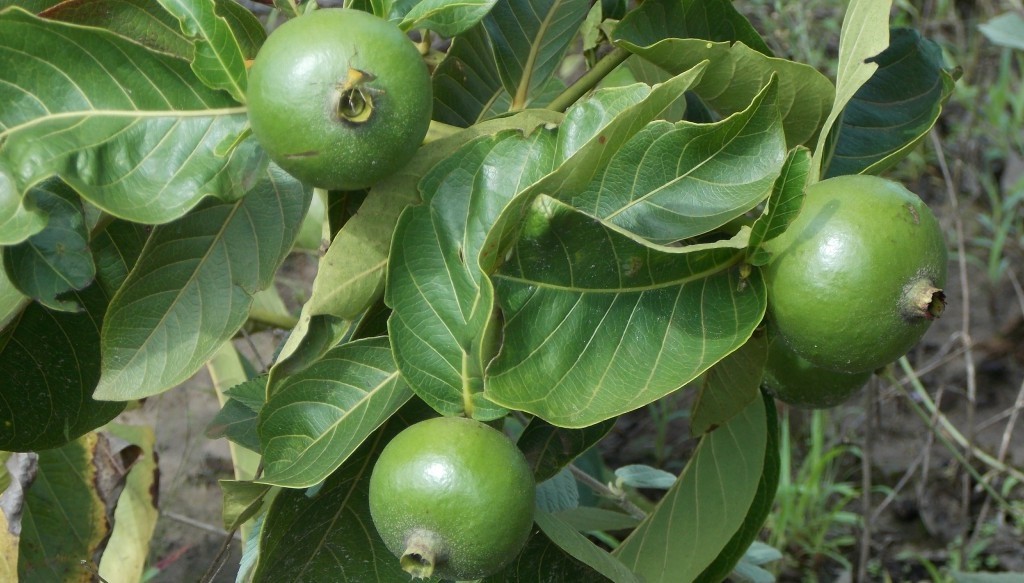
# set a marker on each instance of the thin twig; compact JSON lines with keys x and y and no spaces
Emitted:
{"x":194,"y":523}
{"x":603,"y":490}
{"x":589,"y":80}
{"x":220,"y":558}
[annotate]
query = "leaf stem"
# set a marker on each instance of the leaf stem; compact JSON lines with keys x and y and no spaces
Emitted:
{"x":601,"y":489}
{"x":589,"y":80}
{"x":275,"y":319}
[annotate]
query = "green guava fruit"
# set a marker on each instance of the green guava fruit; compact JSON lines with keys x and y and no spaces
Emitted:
{"x":795,"y":381}
{"x":339,"y":98}
{"x":452,"y":498}
{"x":856,"y":279}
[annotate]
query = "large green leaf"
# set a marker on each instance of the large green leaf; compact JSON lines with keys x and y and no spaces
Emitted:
{"x":442,"y":327}
{"x":714,"y":20}
{"x":217,"y":58}
{"x":894,"y":110}
{"x":126,"y":127}
{"x":50,"y":363}
{"x":319,"y":416}
{"x":783,"y":204}
{"x":307,"y":342}
{"x":710,"y":501}
{"x":192,"y":287}
{"x":143,"y":21}
{"x":466,"y":85}
{"x":729,"y":386}
{"x":598,"y":323}
{"x":327,"y":535}
{"x":735,"y":74}
{"x":865,"y":34}
{"x":55,"y":260}
{"x":760,"y":508}
{"x":593,"y":132}
{"x":529,"y":38}
{"x":445,"y":17}
{"x":351,"y":274}
{"x":115,"y":250}
{"x":675,"y":181}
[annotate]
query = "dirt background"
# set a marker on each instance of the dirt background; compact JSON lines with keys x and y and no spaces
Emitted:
{"x":924,"y":507}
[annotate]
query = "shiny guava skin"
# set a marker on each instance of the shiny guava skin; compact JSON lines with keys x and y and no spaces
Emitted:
{"x":795,"y":381}
{"x":855,"y":280}
{"x":339,"y":98}
{"x":456,"y":489}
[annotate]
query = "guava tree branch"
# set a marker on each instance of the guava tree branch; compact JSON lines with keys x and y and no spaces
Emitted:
{"x":601,"y":489}
{"x":590,"y":79}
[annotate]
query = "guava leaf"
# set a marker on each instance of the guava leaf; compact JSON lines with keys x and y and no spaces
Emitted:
{"x":729,"y":386}
{"x":445,"y":17}
{"x":328,"y":535}
{"x":1005,"y":30}
{"x":529,"y":38}
{"x":307,"y":342}
{"x":641,"y":476}
{"x":675,"y":181}
{"x":587,"y":141}
{"x":441,"y":327}
{"x":351,"y":274}
{"x":466,"y":85}
{"x":894,"y":110}
{"x":783,"y":204}
{"x":708,"y":505}
{"x":148,"y":23}
{"x":598,"y":323}
{"x":192,"y":287}
{"x":115,"y":250}
{"x":735,"y":74}
{"x":319,"y":416}
{"x":134,"y":519}
{"x":760,"y":508}
{"x":247,"y":30}
{"x":865,"y":34}
{"x":238,"y":417}
{"x":548,"y":449}
{"x":50,"y":363}
{"x":68,"y":508}
{"x":714,"y":20}
{"x":128,"y":128}
{"x":242,"y":500}
{"x":142,"y":21}
{"x":19,"y":217}
{"x":582,"y":549}
{"x":217,"y":59}
{"x":55,"y":260}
